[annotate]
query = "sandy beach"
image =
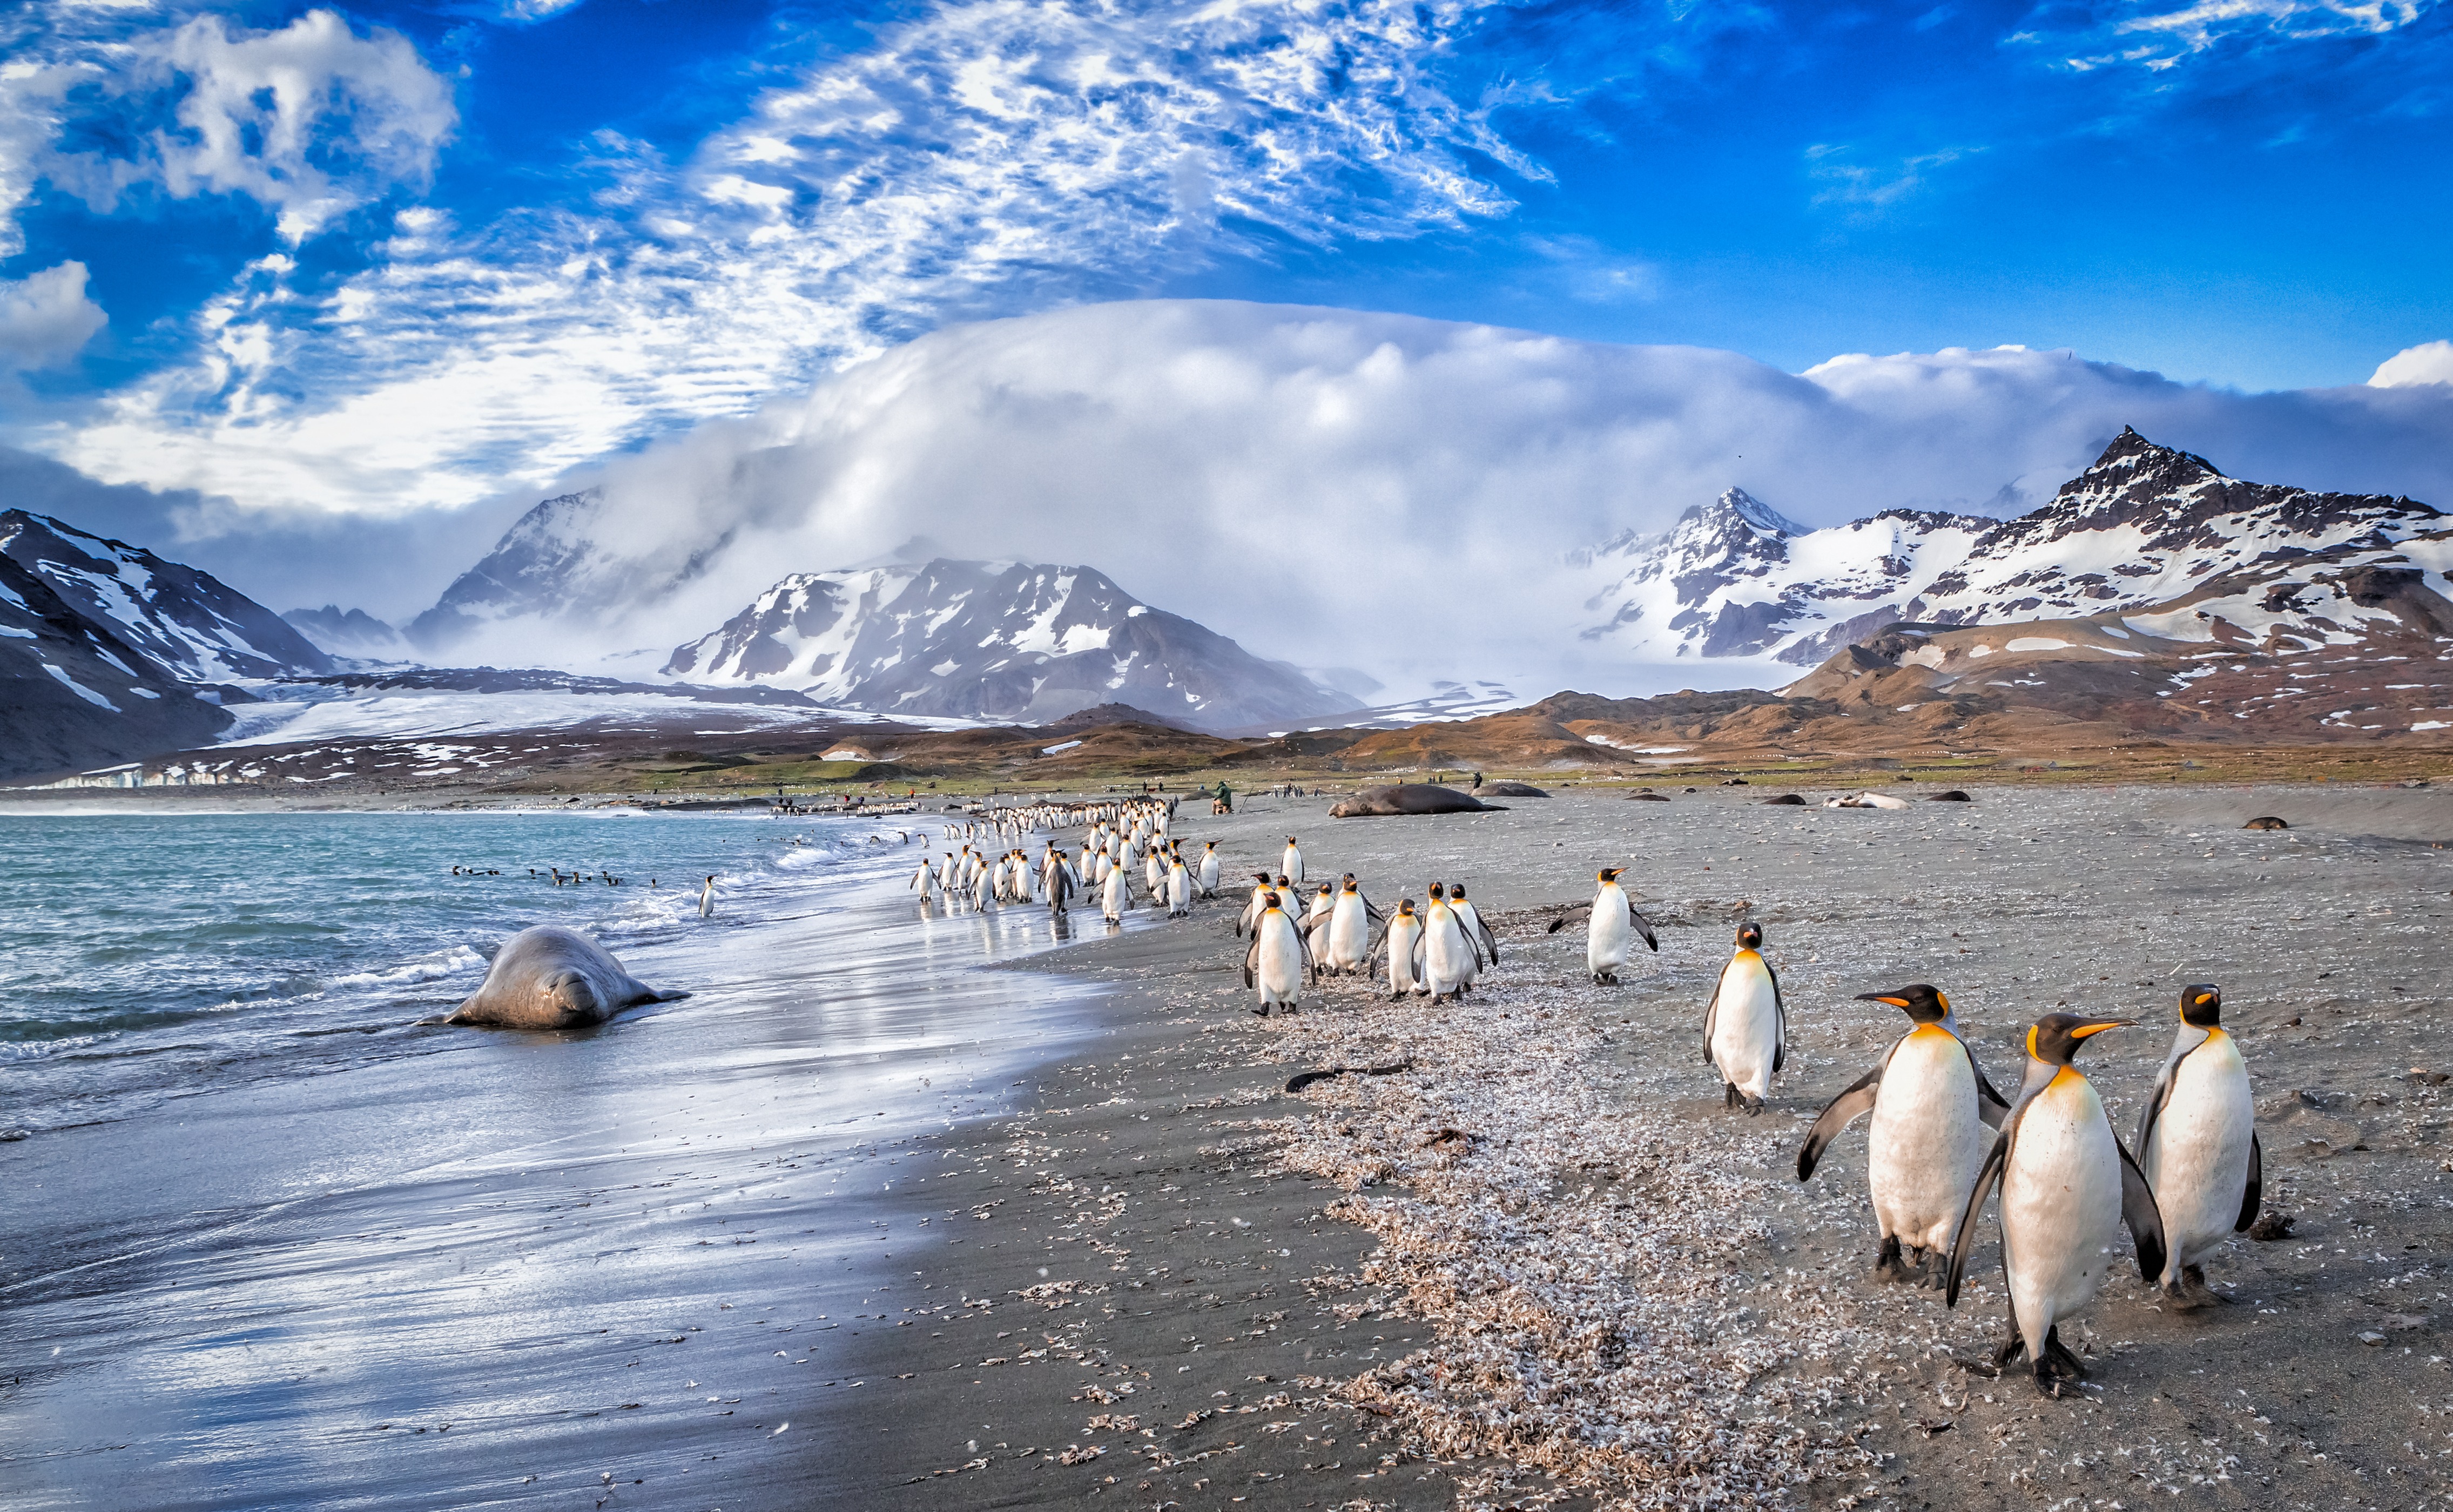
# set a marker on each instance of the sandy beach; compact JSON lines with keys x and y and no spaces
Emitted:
{"x":1101,"y":1252}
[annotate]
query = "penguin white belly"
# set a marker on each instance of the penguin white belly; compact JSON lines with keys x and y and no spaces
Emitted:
{"x":1443,"y":956}
{"x":1349,"y":934}
{"x":1156,"y":872}
{"x":1112,"y":899}
{"x":2197,"y":1159}
{"x":2061,"y":1208}
{"x":1179,"y":891}
{"x":1605,"y":941}
{"x":1401,"y":958}
{"x":1280,"y":967}
{"x":1746,"y":1026}
{"x":1925,"y":1143}
{"x":1208,"y":875}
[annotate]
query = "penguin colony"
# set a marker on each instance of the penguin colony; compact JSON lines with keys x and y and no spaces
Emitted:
{"x":1942,"y":1140}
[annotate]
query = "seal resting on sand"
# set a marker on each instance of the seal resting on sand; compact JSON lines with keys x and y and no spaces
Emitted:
{"x":2265,"y":822}
{"x":1509,"y":790}
{"x":552,"y":978}
{"x":1408,"y":798}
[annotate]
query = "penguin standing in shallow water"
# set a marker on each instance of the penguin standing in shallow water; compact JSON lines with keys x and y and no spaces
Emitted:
{"x":1277,"y":963}
{"x":1614,"y":928}
{"x":2197,"y":1141}
{"x":707,"y":900}
{"x":1931,"y":1105}
{"x":1746,"y":1026}
{"x":2067,"y":1186}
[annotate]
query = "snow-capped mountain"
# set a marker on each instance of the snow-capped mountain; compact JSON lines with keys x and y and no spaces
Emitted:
{"x":993,"y":639}
{"x":348,"y":633}
{"x":545,"y":564}
{"x":192,"y":625}
{"x":2144,"y":526}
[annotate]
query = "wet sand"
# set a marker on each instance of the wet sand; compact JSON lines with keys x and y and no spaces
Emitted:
{"x":1149,"y":1274}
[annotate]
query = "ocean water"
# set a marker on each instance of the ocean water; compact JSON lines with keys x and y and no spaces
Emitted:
{"x":149,"y":958}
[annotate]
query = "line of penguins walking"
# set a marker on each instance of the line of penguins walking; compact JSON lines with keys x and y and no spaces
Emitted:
{"x":1941,"y":1140}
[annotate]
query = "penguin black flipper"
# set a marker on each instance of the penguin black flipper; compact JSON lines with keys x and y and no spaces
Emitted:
{"x":1780,"y":1021}
{"x":2249,"y":1199}
{"x":1643,"y":928}
{"x":1836,"y":1114}
{"x":1711,"y":1013}
{"x":1990,"y":1105}
{"x":2145,"y":1218}
{"x":2161,"y":1094}
{"x":1252,"y":960}
{"x":1986,"y":1176}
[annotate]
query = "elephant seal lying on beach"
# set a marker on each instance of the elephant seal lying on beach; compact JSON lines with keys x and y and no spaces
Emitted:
{"x":1509,"y":790}
{"x":552,"y":978}
{"x":1409,"y":798}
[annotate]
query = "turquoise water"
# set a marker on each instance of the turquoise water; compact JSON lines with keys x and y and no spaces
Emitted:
{"x":151,"y":957}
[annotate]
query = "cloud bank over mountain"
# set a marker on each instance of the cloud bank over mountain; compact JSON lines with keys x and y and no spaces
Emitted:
{"x":1381,"y":491}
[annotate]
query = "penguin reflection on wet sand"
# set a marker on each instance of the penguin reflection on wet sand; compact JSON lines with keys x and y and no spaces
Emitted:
{"x":2197,"y":1143}
{"x":1931,"y":1105}
{"x":1746,"y":1026}
{"x":2067,"y":1186}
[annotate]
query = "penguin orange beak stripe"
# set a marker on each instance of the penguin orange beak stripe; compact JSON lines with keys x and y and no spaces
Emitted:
{"x":1876,"y":997}
{"x":2082,"y":1032}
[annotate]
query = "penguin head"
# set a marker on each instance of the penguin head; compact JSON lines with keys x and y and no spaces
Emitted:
{"x":2055,"y":1038}
{"x":1456,"y":890}
{"x":1751,"y":936}
{"x":1406,"y":908}
{"x":1351,"y":885}
{"x":1608,"y":874}
{"x":2201,"y":1007}
{"x":1283,"y":882}
{"x":1918,"y":1002}
{"x":1268,"y":900}
{"x":1438,"y":892}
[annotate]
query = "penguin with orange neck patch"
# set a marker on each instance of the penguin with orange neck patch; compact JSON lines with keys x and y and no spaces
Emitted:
{"x":1746,"y":1026}
{"x":2068,"y":1187}
{"x":2197,"y":1143}
{"x":1931,"y":1106}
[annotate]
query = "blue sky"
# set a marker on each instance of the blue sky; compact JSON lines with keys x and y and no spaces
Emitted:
{"x":382,"y":259}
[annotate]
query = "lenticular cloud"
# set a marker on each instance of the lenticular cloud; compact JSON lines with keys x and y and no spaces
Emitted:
{"x":1333,"y":487}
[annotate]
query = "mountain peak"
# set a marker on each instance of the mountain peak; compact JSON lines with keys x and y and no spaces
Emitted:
{"x":1756,"y":513}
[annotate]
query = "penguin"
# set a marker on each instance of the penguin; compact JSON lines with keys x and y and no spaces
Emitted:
{"x":1209,"y":872}
{"x":2067,"y":1186}
{"x":2197,"y":1143}
{"x":1062,"y":884}
{"x":1179,"y":887}
{"x":707,"y":900}
{"x":1933,"y":1113}
{"x":1470,"y":917}
{"x":1614,"y":922}
{"x":1253,"y":910}
{"x":1155,"y":872}
{"x":1746,"y":1026}
{"x":1291,"y":863}
{"x":1351,"y":919}
{"x":1402,"y":938}
{"x":1115,"y":896}
{"x":1447,"y":959}
{"x":1277,"y":964}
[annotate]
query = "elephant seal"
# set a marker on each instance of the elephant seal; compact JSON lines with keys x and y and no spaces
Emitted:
{"x":1409,"y":798}
{"x":1865,"y":801}
{"x":1954,"y":796}
{"x":2265,"y":822}
{"x":552,"y":978}
{"x":1786,"y":800}
{"x":1509,"y":790}
{"x":1645,"y":795}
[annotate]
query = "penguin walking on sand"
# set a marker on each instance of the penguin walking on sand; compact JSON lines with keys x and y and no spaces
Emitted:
{"x":2197,"y":1143}
{"x":1062,"y":884}
{"x":1277,"y":963}
{"x":1115,"y":896}
{"x":707,"y":900}
{"x":1746,"y":1026}
{"x":1252,"y":914}
{"x":1350,"y":918}
{"x":1291,"y":863}
{"x":1931,"y":1105}
{"x":1179,"y":887}
{"x":1470,"y":917}
{"x":1401,"y":939}
{"x":2067,"y":1186}
{"x":1208,"y":875}
{"x":1447,"y":959}
{"x":1614,"y":928}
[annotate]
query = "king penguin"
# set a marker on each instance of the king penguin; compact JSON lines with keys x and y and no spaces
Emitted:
{"x":2197,"y":1143}
{"x":1746,"y":1026}
{"x":1402,"y":938}
{"x":1351,"y":919}
{"x":1291,"y":863}
{"x":1931,"y":1105}
{"x":707,"y":900}
{"x":2067,"y":1186}
{"x":1277,"y":963}
{"x":1209,"y":870}
{"x":1615,"y":923}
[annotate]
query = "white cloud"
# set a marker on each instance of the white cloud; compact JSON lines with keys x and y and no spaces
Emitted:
{"x":1381,"y":492}
{"x":45,"y":317}
{"x":2157,"y":35}
{"x":2427,"y":363}
{"x":311,"y":120}
{"x":981,"y":157}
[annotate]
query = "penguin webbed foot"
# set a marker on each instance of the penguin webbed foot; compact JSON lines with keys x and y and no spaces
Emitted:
{"x":2058,"y":1367}
{"x":1886,"y":1261}
{"x":2190,"y":1293}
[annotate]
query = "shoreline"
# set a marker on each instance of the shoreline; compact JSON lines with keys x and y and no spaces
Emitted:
{"x":1157,"y":1253}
